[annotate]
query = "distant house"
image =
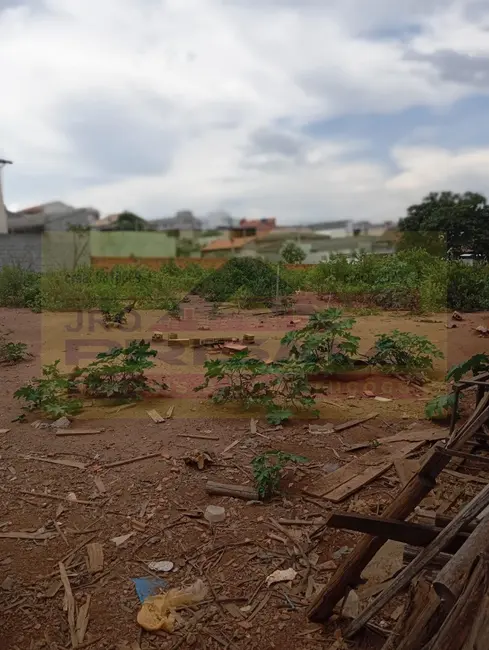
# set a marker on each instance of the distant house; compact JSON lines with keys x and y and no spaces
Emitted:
{"x":183,"y":225}
{"x":56,"y":216}
{"x":334,"y":228}
{"x":349,"y":227}
{"x":317,"y":247}
{"x":230,"y":247}
{"x":107,"y":223}
{"x":258,"y":225}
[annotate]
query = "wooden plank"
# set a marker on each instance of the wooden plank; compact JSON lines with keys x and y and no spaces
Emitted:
{"x":406,"y":469}
{"x":197,"y":436}
{"x":400,"y":531}
{"x":468,"y":457}
{"x":127,"y":461}
{"x":82,"y":620}
{"x":78,"y":432}
{"x":53,"y":461}
{"x":155,"y":416}
{"x":467,"y":478}
{"x":354,"y":423}
{"x":469,"y":512}
{"x":351,"y":477}
{"x":356,"y":483}
{"x":23,"y":535}
{"x":70,"y":604}
{"x":58,"y":497}
{"x":95,"y":557}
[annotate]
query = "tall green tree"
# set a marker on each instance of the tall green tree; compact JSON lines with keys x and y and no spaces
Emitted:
{"x":131,"y":221}
{"x":292,"y":253}
{"x":448,"y":224}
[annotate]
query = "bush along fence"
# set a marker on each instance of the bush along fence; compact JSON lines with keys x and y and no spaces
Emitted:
{"x":412,"y":280}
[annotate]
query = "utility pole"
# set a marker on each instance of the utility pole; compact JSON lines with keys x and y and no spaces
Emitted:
{"x":3,"y":210}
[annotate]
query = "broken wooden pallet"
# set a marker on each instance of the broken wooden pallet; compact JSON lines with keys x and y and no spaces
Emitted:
{"x":350,"y":478}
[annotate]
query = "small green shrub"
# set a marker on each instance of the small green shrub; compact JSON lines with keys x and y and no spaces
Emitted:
{"x":120,"y":373}
{"x":440,"y":407}
{"x":278,"y":387}
{"x":51,"y":394}
{"x":268,"y":469}
{"x":12,"y":352}
{"x":403,"y":352}
{"x":325,"y":345}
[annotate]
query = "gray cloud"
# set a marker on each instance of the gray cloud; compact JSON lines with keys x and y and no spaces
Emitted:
{"x":271,"y":140}
{"x":272,"y":149}
{"x":477,"y":9}
{"x":458,"y":68}
{"x":118,"y":138}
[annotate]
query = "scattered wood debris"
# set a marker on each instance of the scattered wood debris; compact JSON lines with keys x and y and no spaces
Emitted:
{"x":54,"y":461}
{"x":316,"y":428}
{"x":127,"y":461}
{"x":99,"y":484}
{"x":122,"y":539}
{"x":155,"y":416}
{"x":347,"y":480}
{"x":197,"y":436}
{"x":69,"y":605}
{"x":24,"y":535}
{"x":78,"y":432}
{"x":95,"y":557}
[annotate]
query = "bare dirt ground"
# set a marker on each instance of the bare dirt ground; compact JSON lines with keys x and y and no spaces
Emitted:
{"x":161,"y":499}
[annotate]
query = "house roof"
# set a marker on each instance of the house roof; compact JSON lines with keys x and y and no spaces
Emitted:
{"x":227,"y":244}
{"x":259,"y":224}
{"x":20,"y":222}
{"x":182,"y":221}
{"x":330,"y":225}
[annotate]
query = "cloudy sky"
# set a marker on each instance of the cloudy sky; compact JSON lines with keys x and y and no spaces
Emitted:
{"x":300,"y":109}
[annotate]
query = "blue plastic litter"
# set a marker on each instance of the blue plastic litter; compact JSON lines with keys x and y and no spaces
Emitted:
{"x":149,"y":587}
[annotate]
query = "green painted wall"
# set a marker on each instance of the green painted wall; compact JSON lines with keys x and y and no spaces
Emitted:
{"x":64,"y":250}
{"x":136,"y":244}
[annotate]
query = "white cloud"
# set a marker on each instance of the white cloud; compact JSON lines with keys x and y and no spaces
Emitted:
{"x":158,"y":105}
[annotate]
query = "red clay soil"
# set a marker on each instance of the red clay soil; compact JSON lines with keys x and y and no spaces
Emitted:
{"x":162,"y":499}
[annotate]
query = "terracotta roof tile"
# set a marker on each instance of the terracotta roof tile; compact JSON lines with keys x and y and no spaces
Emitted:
{"x":227,"y":244}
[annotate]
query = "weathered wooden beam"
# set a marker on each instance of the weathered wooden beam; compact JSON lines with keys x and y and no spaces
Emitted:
{"x":348,"y":574}
{"x":450,"y":581}
{"x":454,"y":453}
{"x":468,"y":616}
{"x":227,"y":490}
{"x":400,"y":531}
{"x":467,"y":514}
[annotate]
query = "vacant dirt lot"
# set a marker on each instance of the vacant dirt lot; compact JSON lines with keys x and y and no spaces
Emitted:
{"x":161,"y":499}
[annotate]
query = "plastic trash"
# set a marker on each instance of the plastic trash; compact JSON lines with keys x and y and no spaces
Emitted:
{"x":146,"y":587}
{"x":157,"y":612}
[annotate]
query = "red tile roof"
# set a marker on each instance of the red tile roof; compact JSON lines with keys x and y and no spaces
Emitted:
{"x":259,"y":224}
{"x":227,"y":244}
